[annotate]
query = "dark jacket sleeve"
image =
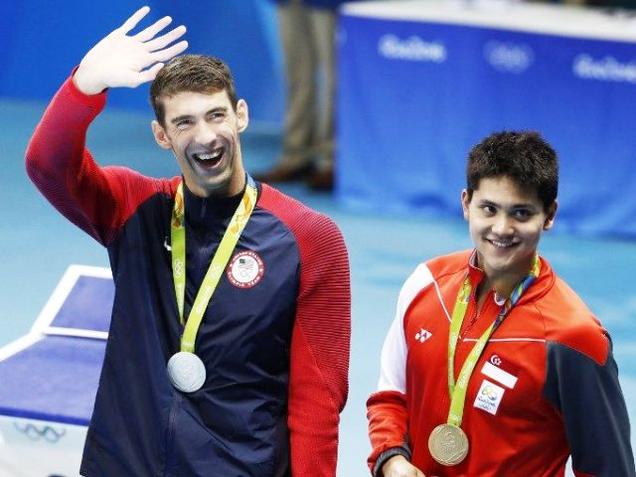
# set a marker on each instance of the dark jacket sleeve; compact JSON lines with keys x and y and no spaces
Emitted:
{"x":588,"y":396}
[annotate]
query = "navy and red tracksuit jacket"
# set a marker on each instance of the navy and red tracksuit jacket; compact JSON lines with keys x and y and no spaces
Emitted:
{"x":545,"y":387}
{"x":276,"y":349}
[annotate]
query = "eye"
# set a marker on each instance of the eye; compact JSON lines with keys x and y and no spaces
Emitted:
{"x":183,"y":124}
{"x":217,"y":116}
{"x":488,"y":210}
{"x":522,"y":214}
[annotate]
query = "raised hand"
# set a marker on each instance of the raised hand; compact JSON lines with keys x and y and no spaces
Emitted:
{"x":123,"y":60}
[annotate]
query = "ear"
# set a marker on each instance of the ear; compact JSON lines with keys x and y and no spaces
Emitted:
{"x":161,"y":137}
{"x":550,"y":216}
{"x":465,"y":203}
{"x":242,"y":114}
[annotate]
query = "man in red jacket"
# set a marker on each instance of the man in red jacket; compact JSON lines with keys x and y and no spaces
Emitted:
{"x":493,"y":366}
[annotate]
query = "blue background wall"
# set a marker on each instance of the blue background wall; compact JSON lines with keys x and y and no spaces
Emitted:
{"x":41,"y":41}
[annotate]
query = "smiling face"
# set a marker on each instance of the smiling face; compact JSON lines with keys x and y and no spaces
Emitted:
{"x":505,"y":223}
{"x":202,"y":130}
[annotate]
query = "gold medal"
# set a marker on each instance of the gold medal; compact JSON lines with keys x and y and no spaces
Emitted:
{"x":448,"y":444}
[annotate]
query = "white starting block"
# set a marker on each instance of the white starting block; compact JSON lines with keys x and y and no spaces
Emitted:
{"x":48,"y":378}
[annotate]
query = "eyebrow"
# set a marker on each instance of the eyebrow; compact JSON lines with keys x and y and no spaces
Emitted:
{"x":483,"y":202}
{"x":218,"y":109}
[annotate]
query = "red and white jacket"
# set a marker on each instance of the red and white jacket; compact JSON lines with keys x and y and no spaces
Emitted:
{"x":545,"y":387}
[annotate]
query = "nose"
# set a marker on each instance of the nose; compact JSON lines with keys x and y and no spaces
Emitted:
{"x":204,"y":134}
{"x":502,"y":225}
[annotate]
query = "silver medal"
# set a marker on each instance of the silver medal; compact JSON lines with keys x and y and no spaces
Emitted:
{"x":186,"y":371}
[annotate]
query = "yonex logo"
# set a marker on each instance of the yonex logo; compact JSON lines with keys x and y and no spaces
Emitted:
{"x":422,"y":335}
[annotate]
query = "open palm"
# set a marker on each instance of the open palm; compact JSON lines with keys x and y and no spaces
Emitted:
{"x":126,"y":60}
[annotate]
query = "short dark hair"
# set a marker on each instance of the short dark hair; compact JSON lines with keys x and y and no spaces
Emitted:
{"x":196,"y":73}
{"x":523,"y":156}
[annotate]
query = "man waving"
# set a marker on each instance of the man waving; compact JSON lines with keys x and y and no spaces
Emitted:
{"x":229,"y":341}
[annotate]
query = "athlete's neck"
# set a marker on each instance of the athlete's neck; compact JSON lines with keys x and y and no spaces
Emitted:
{"x":503,"y":283}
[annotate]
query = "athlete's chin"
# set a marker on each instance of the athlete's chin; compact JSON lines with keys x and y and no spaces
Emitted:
{"x":219,"y":186}
{"x":512,"y":262}
{"x":497,"y":259}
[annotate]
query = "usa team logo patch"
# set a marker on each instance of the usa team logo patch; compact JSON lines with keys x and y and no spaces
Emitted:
{"x":246,"y":269}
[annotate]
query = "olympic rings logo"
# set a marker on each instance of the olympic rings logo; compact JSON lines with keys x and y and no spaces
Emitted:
{"x":508,"y":57}
{"x":35,"y":433}
{"x":489,"y":392}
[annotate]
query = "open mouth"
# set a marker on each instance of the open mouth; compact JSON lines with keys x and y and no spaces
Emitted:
{"x":209,"y":159}
{"x":502,"y":244}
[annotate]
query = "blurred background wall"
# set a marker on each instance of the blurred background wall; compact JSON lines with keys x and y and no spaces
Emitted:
{"x":41,"y":41}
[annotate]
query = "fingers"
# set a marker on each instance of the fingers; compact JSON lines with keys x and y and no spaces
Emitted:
{"x":174,"y":50}
{"x":149,"y":74}
{"x":134,"y":19}
{"x":150,"y":32}
{"x":165,"y":40}
{"x":133,"y":79}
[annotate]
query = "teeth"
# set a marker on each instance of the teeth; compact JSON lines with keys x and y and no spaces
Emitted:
{"x":208,"y":157}
{"x":499,"y":244}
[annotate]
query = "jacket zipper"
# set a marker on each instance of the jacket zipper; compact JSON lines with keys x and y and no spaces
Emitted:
{"x":176,"y":400}
{"x":474,"y":316}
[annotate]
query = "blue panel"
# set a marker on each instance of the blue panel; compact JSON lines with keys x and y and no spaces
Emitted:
{"x":88,"y":305}
{"x":414,"y":97}
{"x":52,"y":380}
{"x":42,"y":41}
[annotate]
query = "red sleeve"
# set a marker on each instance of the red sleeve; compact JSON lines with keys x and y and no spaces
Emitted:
{"x":320,"y":341}
{"x":98,"y":200}
{"x":319,"y":352}
{"x":388,"y":427}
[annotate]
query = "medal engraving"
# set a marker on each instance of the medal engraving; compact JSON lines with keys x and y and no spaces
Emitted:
{"x":448,"y":444}
{"x":186,"y":372}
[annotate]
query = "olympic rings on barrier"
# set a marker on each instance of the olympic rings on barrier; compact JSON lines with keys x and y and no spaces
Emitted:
{"x":36,"y":433}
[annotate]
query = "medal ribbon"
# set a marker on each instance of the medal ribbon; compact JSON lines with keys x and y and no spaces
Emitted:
{"x":458,"y":390}
{"x":217,"y":265}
